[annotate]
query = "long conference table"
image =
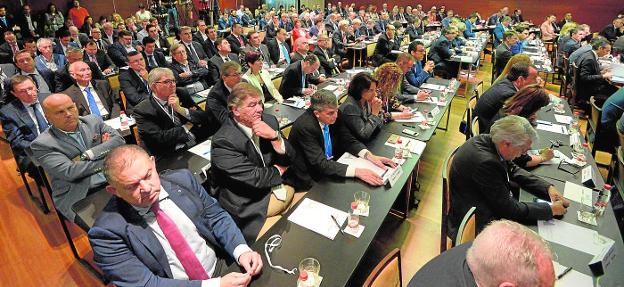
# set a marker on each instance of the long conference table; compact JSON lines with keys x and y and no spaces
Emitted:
{"x":607,"y":225}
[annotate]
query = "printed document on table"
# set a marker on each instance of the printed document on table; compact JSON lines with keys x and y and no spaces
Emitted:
{"x":578,"y":193}
{"x":573,"y":236}
{"x":359,"y":162}
{"x":554,"y":128}
{"x":414,"y":146}
{"x":563,"y":119}
{"x":317,"y":217}
{"x":202,"y":149}
{"x":572,"y":278}
{"x":434,"y":87}
{"x":417,"y":118}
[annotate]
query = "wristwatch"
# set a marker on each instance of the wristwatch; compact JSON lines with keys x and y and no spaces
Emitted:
{"x":277,"y":136}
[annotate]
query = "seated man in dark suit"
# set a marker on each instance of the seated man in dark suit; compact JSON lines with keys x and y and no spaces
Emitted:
{"x":296,"y":78}
{"x":224,"y":54}
{"x":320,"y":138}
{"x":368,"y":30}
{"x":216,"y":102}
{"x":203,"y":37}
{"x":279,"y":49}
{"x":613,"y":30}
{"x":164,"y":126}
{"x":118,"y":52}
{"x":162,"y":45}
{"x":272,"y":28}
{"x":521,"y":74}
{"x":481,"y":173}
{"x":419,"y":74}
{"x":188,"y":74}
{"x":341,"y":38}
{"x":102,"y":43}
{"x":44,"y":80}
{"x":63,"y":41}
{"x":91,"y":96}
{"x":440,"y":53}
{"x":98,"y":57}
{"x":236,"y":39}
{"x":503,"y":51}
{"x":72,"y":151}
{"x":133,"y":81}
{"x":591,"y":80}
{"x":9,"y":47}
{"x":492,"y":260}
{"x":254,"y":44}
{"x":22,"y":121}
{"x":152,"y":56}
{"x":250,"y":160}
{"x":62,"y":78}
{"x":408,"y":92}
{"x":325,"y":53}
{"x":165,"y":230}
{"x":194,"y":50}
{"x":385,"y":44}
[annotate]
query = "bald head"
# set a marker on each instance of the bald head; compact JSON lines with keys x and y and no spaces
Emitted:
{"x":302,"y":45}
{"x":61,"y":112}
{"x":80,"y":72}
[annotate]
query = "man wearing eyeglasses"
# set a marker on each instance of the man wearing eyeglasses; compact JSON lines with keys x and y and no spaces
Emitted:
{"x":165,"y":126}
{"x":217,"y":98}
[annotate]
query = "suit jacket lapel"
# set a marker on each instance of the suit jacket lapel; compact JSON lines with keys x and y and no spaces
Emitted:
{"x":24,"y":116}
{"x":101,"y":92}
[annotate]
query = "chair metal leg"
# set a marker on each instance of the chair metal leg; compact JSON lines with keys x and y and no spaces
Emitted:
{"x":26,"y":184}
{"x":44,"y":202}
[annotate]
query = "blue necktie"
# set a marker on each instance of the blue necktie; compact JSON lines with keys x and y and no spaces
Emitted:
{"x":286,"y":56}
{"x":92,"y":104}
{"x":41,"y":121}
{"x":303,"y":80}
{"x":328,"y":143}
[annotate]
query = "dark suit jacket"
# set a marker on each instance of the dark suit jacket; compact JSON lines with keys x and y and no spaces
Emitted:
{"x":118,"y":54}
{"x":503,"y":54}
{"x":199,"y":49}
{"x":590,"y":81}
{"x":358,"y":121}
{"x":19,"y":129}
{"x":133,"y":88}
{"x":271,"y":31}
{"x":164,"y":45}
{"x":129,"y":253}
{"x":440,"y":50}
{"x":383,"y":51}
{"x":447,"y":269}
{"x":214,"y":66}
{"x":104,"y":43}
{"x":62,"y":79}
{"x":103,"y":60}
{"x":492,"y":100}
{"x":161,"y":61}
{"x":306,"y":137}
{"x":327,"y":67}
{"x":610,"y":32}
{"x":480,"y":178}
{"x":216,"y":102}
{"x":158,"y":132}
{"x":71,"y":180}
{"x":208,"y":46}
{"x":339,"y":46}
{"x":274,"y":50}
{"x":6,"y":54}
{"x":199,"y":74}
{"x":291,"y":81}
{"x":243,"y":177}
{"x":413,"y":32}
{"x":235,"y":44}
{"x":104,"y":92}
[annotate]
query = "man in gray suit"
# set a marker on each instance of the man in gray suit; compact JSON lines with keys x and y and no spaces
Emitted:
{"x":72,"y":151}
{"x":223,"y":55}
{"x":254,"y":44}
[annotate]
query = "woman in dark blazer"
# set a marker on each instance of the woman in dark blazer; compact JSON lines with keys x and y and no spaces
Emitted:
{"x":361,"y":110}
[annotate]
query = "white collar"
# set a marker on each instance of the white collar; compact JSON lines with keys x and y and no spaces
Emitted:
{"x":246,"y":130}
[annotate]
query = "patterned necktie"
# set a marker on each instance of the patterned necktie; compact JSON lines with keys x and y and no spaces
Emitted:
{"x":193,"y":53}
{"x":92,"y":104}
{"x":151,"y":61}
{"x":328,"y":142}
{"x":191,"y":264}
{"x":41,"y":121}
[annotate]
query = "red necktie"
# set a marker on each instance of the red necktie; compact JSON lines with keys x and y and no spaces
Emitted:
{"x":240,"y":40}
{"x":14,"y":48}
{"x":183,"y":251}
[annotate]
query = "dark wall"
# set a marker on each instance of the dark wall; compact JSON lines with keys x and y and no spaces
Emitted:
{"x":596,"y":13}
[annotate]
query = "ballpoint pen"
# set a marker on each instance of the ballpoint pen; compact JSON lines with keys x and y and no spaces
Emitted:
{"x":337,"y":224}
{"x":564,"y":273}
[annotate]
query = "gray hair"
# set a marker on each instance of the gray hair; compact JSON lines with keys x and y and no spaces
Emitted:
{"x":73,"y":50}
{"x":513,"y":129}
{"x":322,"y":99}
{"x":507,"y":251}
{"x":41,"y":41}
{"x":240,"y":92}
{"x":157,"y":73}
{"x":119,"y":159}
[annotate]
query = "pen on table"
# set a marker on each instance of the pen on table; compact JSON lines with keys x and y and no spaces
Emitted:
{"x":564,"y":272}
{"x":409,"y":126}
{"x":337,"y":224}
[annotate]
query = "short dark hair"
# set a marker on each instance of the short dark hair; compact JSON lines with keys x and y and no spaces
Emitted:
{"x":599,"y":42}
{"x":90,"y":42}
{"x":359,"y":83}
{"x":133,"y":53}
{"x":124,"y":33}
{"x":517,"y":70}
{"x":412,"y":46}
{"x":149,"y":26}
{"x":252,"y":57}
{"x":148,"y":40}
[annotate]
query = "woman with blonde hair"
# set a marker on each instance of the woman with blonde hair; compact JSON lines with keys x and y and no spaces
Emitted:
{"x":515,"y":59}
{"x":390,"y":76}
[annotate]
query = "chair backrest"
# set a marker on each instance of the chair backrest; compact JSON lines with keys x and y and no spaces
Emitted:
{"x":467,"y":228}
{"x":90,"y":207}
{"x":387,"y":273}
{"x":596,"y":113}
{"x":620,"y":134}
{"x":474,"y":126}
{"x":8,"y":69}
{"x":619,"y":166}
{"x":446,"y":199}
{"x":122,"y":96}
{"x":472,"y":103}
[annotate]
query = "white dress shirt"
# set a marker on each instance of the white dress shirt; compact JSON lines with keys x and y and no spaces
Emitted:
{"x":100,"y":106}
{"x":350,"y":168}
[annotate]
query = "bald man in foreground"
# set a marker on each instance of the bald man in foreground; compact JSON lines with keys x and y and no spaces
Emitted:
{"x":165,"y":230}
{"x":505,"y":253}
{"x":72,"y":151}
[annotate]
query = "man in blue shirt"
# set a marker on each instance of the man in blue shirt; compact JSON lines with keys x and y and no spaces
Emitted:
{"x":419,"y":74}
{"x":523,"y":38}
{"x":469,"y":24}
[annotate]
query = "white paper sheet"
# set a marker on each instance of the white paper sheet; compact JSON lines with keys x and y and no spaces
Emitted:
{"x":417,"y":118}
{"x":359,"y":162}
{"x":572,"y":236}
{"x":316,"y":217}
{"x":554,"y":128}
{"x":204,"y":93}
{"x":202,"y":149}
{"x":116,"y":123}
{"x":432,"y":87}
{"x":295,"y":102}
{"x":578,"y":193}
{"x":330,"y":87}
{"x":415,"y":146}
{"x":572,"y":278}
{"x":563,"y":119}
